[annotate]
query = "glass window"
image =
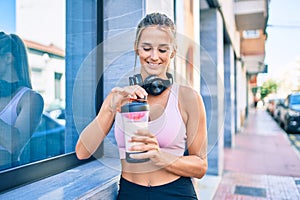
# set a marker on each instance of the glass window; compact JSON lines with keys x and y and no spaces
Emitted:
{"x":32,"y":108}
{"x":39,"y":132}
{"x":251,"y":34}
{"x":295,"y":99}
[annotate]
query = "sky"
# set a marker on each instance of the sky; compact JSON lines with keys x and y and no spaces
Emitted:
{"x":42,"y":21}
{"x":39,"y":21}
{"x":283,"y":42}
{"x":7,"y":9}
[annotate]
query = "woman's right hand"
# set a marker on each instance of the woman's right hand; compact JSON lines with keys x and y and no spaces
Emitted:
{"x":119,"y":96}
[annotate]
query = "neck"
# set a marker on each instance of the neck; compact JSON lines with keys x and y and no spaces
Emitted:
{"x":8,"y":88}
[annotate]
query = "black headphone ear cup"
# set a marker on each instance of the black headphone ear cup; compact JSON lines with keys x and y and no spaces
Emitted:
{"x":170,"y":77}
{"x":138,"y":79}
{"x":150,"y":79}
{"x":152,"y":84}
{"x":155,"y":85}
{"x":131,"y":81}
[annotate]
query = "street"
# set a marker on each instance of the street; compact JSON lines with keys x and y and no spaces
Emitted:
{"x":293,"y":137}
{"x":295,"y":140}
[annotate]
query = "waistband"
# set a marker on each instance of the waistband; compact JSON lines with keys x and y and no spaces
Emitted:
{"x":179,"y":181}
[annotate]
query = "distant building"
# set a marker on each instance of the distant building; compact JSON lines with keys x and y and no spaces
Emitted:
{"x":289,"y":81}
{"x":47,"y":66}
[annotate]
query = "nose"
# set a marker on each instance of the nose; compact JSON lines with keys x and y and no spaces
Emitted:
{"x":154,"y":54}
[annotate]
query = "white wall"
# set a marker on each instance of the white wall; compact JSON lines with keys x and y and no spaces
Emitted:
{"x":162,"y":6}
{"x":42,"y":21}
{"x":227,"y":7}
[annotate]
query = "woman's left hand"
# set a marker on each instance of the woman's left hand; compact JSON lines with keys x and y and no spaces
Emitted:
{"x":149,"y":145}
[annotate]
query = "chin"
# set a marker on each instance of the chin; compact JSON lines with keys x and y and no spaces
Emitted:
{"x":156,"y":71}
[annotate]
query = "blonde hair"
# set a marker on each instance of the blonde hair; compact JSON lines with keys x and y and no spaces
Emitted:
{"x":162,"y":21}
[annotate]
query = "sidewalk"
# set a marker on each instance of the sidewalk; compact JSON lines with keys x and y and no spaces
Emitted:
{"x":262,"y":165}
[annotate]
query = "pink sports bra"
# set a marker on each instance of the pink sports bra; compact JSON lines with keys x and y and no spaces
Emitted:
{"x":169,"y":128}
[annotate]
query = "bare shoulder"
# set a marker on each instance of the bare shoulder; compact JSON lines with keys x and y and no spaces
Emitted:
{"x":33,"y":98}
{"x":33,"y":95}
{"x":188,"y":94}
{"x":190,"y":100}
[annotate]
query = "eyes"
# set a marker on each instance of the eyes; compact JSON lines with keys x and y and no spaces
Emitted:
{"x":160,"y":49}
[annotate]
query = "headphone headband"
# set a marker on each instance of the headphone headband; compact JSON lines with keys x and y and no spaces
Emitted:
{"x":152,"y":84}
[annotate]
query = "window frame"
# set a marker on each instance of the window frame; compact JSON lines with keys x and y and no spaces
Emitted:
{"x":251,"y":34}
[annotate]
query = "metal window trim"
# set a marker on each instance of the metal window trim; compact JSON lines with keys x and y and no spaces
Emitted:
{"x":42,"y":169}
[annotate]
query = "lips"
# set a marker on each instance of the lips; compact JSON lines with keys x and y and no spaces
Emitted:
{"x":153,"y":65}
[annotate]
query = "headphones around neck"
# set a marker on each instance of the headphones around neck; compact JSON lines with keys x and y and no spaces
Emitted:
{"x":152,"y":84}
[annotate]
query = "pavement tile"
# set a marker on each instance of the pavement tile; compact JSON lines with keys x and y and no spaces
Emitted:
{"x":275,"y":187}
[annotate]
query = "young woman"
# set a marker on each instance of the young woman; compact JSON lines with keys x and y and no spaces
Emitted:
{"x":20,"y":107}
{"x":177,"y":123}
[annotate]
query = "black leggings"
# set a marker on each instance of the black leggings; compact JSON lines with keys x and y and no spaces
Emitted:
{"x":180,"y":189}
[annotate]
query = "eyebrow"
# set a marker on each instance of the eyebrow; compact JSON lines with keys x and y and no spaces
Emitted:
{"x":160,"y":45}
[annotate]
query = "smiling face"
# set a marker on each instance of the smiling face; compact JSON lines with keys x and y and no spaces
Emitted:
{"x":155,"y":50}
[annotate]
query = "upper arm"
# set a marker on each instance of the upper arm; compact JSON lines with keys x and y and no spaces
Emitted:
{"x":30,"y":109}
{"x":195,"y":119}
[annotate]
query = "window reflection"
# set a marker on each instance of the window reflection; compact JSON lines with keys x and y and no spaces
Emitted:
{"x":35,"y":130}
{"x":21,"y":107}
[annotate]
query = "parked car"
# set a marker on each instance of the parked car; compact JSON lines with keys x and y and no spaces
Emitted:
{"x":59,"y":115}
{"x":290,"y":113}
{"x":47,"y":140}
{"x":277,"y":109}
{"x":271,"y":105}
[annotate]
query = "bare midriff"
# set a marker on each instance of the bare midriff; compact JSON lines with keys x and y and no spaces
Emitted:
{"x":146,"y":174}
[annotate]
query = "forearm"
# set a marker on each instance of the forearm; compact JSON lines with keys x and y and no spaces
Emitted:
{"x":188,"y":166}
{"x":94,"y":133}
{"x":92,"y":136}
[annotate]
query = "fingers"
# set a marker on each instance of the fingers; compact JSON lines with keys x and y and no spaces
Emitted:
{"x":145,"y":133}
{"x":144,"y":136}
{"x":158,"y":157}
{"x":145,"y":141}
{"x":148,"y":145}
{"x":133,"y":91}
{"x":120,"y":96}
{"x":149,"y":154}
{"x":144,"y":147}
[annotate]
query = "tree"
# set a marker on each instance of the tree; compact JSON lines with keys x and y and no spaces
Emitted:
{"x":268,"y":87}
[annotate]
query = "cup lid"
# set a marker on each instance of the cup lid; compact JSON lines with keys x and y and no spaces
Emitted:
{"x":135,"y":106}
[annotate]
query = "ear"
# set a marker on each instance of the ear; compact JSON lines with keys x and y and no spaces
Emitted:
{"x":136,"y":51}
{"x":173,"y":54}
